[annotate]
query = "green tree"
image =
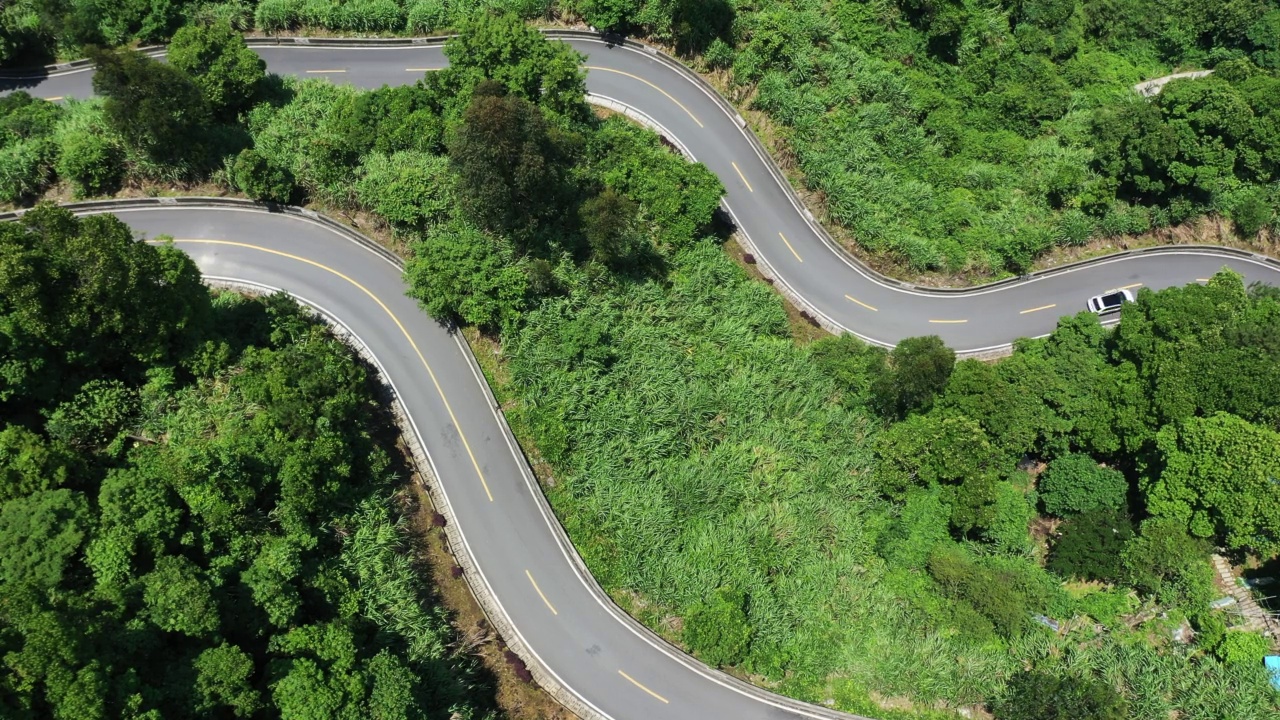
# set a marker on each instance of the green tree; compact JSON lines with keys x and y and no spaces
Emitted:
{"x":507,"y":162}
{"x":930,"y":449}
{"x":1090,"y":544}
{"x":92,"y":163}
{"x":1032,"y":695}
{"x":154,"y":106}
{"x":95,"y":415}
{"x":29,"y":464}
{"x":918,"y":370}
{"x":224,"y":678}
{"x":261,"y":179}
{"x":217,"y":60}
{"x":1245,"y":649}
{"x":1076,"y":483}
{"x":851,"y":363}
{"x":503,"y":48}
{"x":179,"y":599}
{"x":40,"y":535}
{"x":459,"y":271}
{"x":717,"y":630}
{"x":1218,"y":479}
{"x":1165,"y":562}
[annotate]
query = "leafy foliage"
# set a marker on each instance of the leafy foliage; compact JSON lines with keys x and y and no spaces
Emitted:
{"x":155,"y":107}
{"x":216,"y":59}
{"x":1075,"y":483}
{"x":1090,"y":544}
{"x":1037,"y":696}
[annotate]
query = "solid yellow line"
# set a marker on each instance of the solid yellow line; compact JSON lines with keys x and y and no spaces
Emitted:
{"x":949,"y":322}
{"x":646,"y":82}
{"x":793,"y":250}
{"x":744,"y":177}
{"x":633,"y":682}
{"x":1042,"y":307}
{"x":325,"y":71}
{"x":1127,"y":287}
{"x":851,"y":299}
{"x":544,"y":597}
{"x":453,"y":418}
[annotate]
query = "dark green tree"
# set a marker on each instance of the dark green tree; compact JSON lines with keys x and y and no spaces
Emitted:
{"x":458,"y":271}
{"x":609,"y":225}
{"x":154,"y":106}
{"x":918,"y":370}
{"x":40,"y":535}
{"x":506,"y":158}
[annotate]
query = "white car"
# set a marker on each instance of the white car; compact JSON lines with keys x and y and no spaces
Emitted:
{"x":1110,"y":301}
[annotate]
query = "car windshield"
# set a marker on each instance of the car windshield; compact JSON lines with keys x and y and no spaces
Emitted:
{"x":1113,"y":300}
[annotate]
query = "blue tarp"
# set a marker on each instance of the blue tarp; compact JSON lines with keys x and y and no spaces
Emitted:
{"x":1273,"y":666}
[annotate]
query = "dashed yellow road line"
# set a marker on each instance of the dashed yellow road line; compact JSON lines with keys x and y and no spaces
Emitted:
{"x":539,"y":590}
{"x":852,"y":299}
{"x":421,"y":69}
{"x":637,"y":684}
{"x":948,"y":322}
{"x":646,"y":82}
{"x":1130,"y":287}
{"x":1202,"y":279}
{"x":453,"y":418}
{"x":323,"y":72}
{"x":1038,"y":309}
{"x":744,"y":177}
{"x":55,"y":98}
{"x":793,"y":250}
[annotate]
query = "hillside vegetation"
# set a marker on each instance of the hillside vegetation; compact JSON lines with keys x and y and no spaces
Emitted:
{"x":892,"y":533}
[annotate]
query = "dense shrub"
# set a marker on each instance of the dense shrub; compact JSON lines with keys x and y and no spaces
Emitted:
{"x":410,"y":189}
{"x":717,"y":630}
{"x":1090,"y":544}
{"x":1038,"y":696}
{"x":93,"y":163}
{"x":261,"y":179}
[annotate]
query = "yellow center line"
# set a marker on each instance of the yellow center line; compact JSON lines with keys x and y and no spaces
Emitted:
{"x":646,"y":82}
{"x":421,"y":69}
{"x":56,"y":98}
{"x":1038,"y":309}
{"x":633,"y":682}
{"x":318,"y":72}
{"x":744,"y":177}
{"x":1202,"y":279}
{"x":852,"y":299}
{"x":793,"y":250}
{"x":948,"y":322}
{"x":453,"y":418}
{"x":544,"y":597}
{"x":1129,"y":287}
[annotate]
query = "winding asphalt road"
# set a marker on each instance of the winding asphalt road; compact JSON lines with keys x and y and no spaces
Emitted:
{"x":593,"y":651}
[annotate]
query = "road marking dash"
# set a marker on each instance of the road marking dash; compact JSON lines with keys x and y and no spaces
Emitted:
{"x":1038,"y":309}
{"x":646,"y":82}
{"x":422,"y":69}
{"x":323,"y":72}
{"x":544,"y":597}
{"x":793,"y":250}
{"x":948,"y":322}
{"x":853,"y":299}
{"x":1202,"y":279}
{"x":637,"y":684}
{"x":744,"y":177}
{"x":55,"y":98}
{"x":430,"y":373}
{"x":1129,"y":287}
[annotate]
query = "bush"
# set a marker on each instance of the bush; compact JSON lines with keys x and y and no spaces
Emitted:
{"x":1089,"y":546}
{"x":275,"y":15}
{"x":459,"y":272}
{"x":93,"y":164}
{"x":919,"y":369}
{"x":424,"y":16}
{"x":217,"y":60}
{"x":1075,"y":483}
{"x":24,"y":170}
{"x":1243,"y":648}
{"x":410,"y":189}
{"x":261,"y":179}
{"x":1040,"y":696}
{"x":717,"y":630}
{"x":1251,"y":214}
